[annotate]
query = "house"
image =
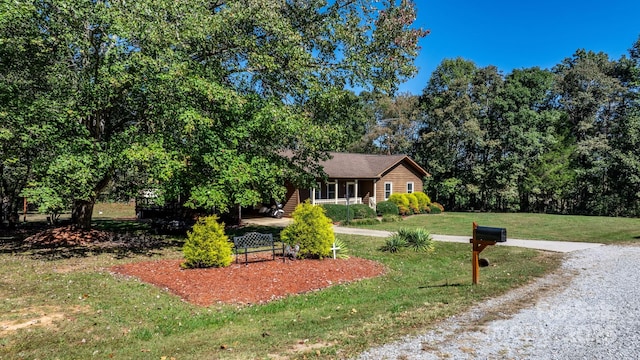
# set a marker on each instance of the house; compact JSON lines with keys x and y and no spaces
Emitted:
{"x":362,"y":178}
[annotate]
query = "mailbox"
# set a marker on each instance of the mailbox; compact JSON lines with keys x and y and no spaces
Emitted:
{"x":486,"y":233}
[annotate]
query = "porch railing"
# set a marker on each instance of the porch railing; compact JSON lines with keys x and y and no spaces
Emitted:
{"x":341,"y":201}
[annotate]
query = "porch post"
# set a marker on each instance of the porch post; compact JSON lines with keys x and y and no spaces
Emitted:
{"x":336,"y":192}
{"x":375,"y":192}
{"x":356,"y":191}
{"x":313,"y":196}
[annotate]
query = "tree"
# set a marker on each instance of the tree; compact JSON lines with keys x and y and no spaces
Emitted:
{"x":530,"y":130}
{"x":202,"y":97}
{"x":395,"y":123}
{"x":590,"y":94}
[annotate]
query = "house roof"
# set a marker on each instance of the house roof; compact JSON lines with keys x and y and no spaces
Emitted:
{"x":365,"y":166}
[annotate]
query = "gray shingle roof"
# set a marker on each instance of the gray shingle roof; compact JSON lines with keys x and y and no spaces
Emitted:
{"x":364,"y":166}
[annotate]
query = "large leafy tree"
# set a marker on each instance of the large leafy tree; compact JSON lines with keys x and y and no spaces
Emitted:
{"x":590,"y":94}
{"x":201,"y":97}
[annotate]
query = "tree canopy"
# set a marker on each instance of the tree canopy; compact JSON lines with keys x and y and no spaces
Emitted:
{"x":196,"y":99}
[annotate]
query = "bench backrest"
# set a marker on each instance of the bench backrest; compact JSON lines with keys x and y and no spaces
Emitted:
{"x":252,"y":240}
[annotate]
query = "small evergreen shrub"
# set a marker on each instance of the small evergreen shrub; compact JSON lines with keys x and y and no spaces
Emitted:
{"x":311,"y":229}
{"x":413,"y":203}
{"x":335,"y":212}
{"x":423,"y":201}
{"x":367,"y":221}
{"x":439,"y":206}
{"x":402,"y":202}
{"x":387,"y":208}
{"x":391,"y":218}
{"x":361,"y":211}
{"x":338,"y":213}
{"x":435,"y":209}
{"x":207,"y":245}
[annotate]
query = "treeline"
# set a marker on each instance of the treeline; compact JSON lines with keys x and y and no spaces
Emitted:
{"x":564,"y":140}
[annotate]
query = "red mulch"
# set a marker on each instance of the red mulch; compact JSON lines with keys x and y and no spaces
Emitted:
{"x":257,"y":282}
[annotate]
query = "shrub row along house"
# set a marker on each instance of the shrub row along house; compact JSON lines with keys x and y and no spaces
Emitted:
{"x":360,"y":179}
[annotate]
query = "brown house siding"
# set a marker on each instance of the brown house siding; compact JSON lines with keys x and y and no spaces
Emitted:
{"x":399,"y":175}
{"x":292,"y":199}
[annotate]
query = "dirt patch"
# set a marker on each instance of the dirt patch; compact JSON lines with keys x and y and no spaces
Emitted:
{"x":257,"y":282}
{"x":36,"y":316}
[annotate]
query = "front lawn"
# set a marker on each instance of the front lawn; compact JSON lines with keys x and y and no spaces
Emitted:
{"x":527,"y":226}
{"x":71,"y":307}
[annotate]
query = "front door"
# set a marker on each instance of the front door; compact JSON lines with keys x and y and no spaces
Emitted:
{"x":351,"y":190}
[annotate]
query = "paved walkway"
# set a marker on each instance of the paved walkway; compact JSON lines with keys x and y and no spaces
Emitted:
{"x":557,"y":246}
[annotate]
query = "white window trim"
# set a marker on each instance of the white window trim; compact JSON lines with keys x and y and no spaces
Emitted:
{"x":412,"y":187}
{"x":390,"y":190}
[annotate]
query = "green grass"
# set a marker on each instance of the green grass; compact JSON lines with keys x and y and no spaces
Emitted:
{"x":112,"y":316}
{"x":527,"y":226}
{"x":95,"y":314}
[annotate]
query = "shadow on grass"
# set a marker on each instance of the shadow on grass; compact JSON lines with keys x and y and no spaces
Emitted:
{"x":443,"y":286}
{"x":127,"y":238}
{"x":124,"y":239}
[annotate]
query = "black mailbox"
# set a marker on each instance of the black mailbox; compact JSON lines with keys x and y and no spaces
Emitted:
{"x":491,"y":234}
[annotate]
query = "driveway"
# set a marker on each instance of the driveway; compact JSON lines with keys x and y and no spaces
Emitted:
{"x":589,"y":309}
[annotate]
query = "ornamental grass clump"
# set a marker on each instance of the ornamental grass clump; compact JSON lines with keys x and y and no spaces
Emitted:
{"x":394,"y":243}
{"x":207,"y":245}
{"x":311,"y":229}
{"x":418,"y":239}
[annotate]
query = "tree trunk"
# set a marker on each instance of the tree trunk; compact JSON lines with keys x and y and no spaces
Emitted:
{"x":82,"y":213}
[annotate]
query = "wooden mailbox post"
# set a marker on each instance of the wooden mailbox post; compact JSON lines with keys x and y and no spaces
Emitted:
{"x":483,"y":236}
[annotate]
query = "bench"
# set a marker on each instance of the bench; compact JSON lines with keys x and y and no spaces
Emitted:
{"x":253,"y":242}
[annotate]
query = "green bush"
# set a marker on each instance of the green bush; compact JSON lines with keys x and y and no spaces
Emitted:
{"x":361,"y":211}
{"x":435,"y":209}
{"x":423,"y":201}
{"x":413,"y":203}
{"x":338,"y":213}
{"x":391,"y":218}
{"x":402,"y":202}
{"x":367,"y":221}
{"x":386,"y":208}
{"x":439,"y":206}
{"x":311,"y":229}
{"x":335,"y":212}
{"x":207,"y":245}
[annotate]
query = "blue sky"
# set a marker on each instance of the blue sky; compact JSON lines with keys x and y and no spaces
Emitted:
{"x":520,"y":34}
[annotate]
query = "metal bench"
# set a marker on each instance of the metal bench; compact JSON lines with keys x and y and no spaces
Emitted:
{"x":253,"y":242}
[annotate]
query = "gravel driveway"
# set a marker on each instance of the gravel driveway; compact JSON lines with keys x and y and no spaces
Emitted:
{"x":589,"y":310}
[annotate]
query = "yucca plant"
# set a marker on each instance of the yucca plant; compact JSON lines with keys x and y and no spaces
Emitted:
{"x":343,"y":250}
{"x":419,"y":239}
{"x":394,"y":243}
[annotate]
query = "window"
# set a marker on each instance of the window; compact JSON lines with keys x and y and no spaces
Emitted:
{"x":387,"y":190}
{"x":409,"y":187}
{"x":331,"y":191}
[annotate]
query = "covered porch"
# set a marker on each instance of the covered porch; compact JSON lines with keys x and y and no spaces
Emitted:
{"x":344,"y":191}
